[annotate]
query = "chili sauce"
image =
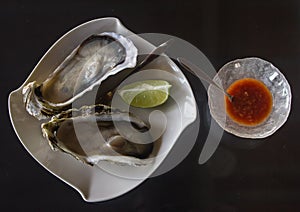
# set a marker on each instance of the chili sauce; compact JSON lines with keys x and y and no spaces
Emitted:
{"x":251,"y":104}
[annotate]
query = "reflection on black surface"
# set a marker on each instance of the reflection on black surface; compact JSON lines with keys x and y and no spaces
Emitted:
{"x":264,"y":178}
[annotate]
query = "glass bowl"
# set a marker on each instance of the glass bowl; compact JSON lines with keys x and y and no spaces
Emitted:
{"x":261,"y":70}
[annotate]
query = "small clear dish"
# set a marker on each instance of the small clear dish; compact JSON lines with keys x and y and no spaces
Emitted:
{"x":265,"y":72}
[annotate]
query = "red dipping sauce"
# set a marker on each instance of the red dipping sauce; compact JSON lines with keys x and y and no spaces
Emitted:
{"x":252,"y":102}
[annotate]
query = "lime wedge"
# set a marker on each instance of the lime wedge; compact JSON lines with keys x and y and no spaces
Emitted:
{"x":145,"y":94}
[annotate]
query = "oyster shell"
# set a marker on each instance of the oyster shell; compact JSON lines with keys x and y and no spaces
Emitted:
{"x":96,"y":58}
{"x":90,"y":135}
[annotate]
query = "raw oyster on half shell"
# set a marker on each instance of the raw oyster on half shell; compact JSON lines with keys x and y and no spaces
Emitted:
{"x":95,"y":59}
{"x":100,"y":133}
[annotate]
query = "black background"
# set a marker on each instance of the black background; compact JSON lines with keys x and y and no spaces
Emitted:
{"x":237,"y":177}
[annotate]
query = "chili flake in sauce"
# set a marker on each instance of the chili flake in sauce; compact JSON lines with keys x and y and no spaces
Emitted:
{"x":252,"y":102}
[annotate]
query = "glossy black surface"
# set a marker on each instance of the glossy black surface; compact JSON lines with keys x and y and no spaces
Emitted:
{"x":242,"y":175}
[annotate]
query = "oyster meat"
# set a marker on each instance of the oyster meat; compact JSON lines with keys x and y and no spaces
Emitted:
{"x":90,"y":134}
{"x":96,"y":58}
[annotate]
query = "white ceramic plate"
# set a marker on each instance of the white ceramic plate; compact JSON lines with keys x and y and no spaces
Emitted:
{"x":108,"y":181}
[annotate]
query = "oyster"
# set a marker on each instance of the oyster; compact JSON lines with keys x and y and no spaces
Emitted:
{"x":90,"y":135}
{"x":98,"y":57}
